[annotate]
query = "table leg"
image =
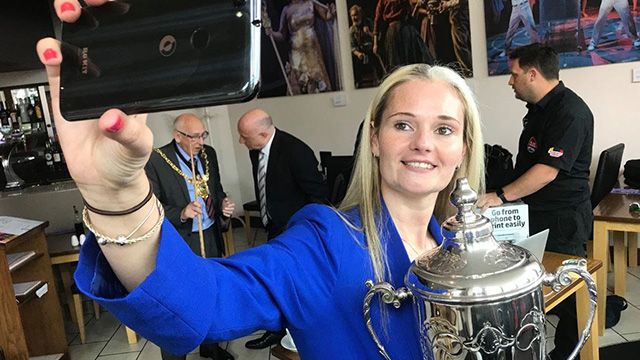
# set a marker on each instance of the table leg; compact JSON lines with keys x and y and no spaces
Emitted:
{"x":67,"y":282}
{"x":600,"y":248}
{"x":132,"y":337}
{"x":619,"y":263}
{"x":632,"y":245}
{"x":590,"y":349}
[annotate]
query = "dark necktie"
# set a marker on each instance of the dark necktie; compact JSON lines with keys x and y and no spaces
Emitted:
{"x":262,"y":187}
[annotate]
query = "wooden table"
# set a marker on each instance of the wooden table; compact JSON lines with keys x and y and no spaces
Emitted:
{"x":612,"y":214}
{"x":31,"y":325}
{"x":65,"y":256}
{"x":551,"y":299}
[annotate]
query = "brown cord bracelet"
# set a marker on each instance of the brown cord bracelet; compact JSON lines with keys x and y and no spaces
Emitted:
{"x":122,"y":212}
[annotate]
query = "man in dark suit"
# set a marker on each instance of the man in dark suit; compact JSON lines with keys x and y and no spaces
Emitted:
{"x":183,"y":199}
{"x":285,"y":178}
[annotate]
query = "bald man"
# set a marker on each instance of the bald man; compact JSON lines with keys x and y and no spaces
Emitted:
{"x":169,"y":170}
{"x":285,"y":177}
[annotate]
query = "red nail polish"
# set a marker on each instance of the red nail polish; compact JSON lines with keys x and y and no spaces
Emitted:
{"x":116,"y":126}
{"x":49,"y":54}
{"x":67,"y":6}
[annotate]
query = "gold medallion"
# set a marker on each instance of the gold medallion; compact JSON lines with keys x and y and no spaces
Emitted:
{"x":200,"y":184}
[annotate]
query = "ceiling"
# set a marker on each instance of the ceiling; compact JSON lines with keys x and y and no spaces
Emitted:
{"x":22,"y":24}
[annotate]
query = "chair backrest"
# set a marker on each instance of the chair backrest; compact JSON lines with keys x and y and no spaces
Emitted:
{"x":324,"y":161}
{"x":606,"y":173}
{"x":498,"y":164}
{"x":338,"y":190}
{"x":338,"y":176}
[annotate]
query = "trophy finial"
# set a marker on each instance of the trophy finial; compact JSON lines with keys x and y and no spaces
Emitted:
{"x":463,"y":197}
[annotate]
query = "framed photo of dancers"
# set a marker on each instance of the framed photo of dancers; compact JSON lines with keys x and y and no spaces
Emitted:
{"x":300,"y":48}
{"x":583,"y":32}
{"x":385,"y":34}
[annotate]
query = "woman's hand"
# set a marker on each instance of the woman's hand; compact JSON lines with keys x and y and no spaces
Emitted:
{"x":106,"y":156}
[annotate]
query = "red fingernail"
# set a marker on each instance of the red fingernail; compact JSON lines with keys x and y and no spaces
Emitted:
{"x":49,"y":54}
{"x":67,"y":6}
{"x":116,"y":125}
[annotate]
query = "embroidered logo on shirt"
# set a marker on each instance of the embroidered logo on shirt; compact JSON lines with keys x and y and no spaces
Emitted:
{"x":555,"y":153}
{"x":532,"y":145}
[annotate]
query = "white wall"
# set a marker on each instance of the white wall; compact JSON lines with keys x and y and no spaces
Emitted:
{"x":22,"y":78}
{"x":607,"y":89}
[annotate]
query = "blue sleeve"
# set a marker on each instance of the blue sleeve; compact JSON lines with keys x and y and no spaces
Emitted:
{"x":187,"y":299}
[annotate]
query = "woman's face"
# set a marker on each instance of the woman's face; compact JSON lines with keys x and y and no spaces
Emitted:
{"x":420,"y":140}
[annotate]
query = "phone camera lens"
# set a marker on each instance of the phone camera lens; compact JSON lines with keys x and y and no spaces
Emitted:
{"x":200,"y":39}
{"x":239,"y":3}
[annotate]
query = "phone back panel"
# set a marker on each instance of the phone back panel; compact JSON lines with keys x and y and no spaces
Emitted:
{"x":154,"y":55}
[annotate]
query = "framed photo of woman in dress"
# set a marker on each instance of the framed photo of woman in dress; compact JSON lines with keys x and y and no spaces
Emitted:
{"x":299,"y":48}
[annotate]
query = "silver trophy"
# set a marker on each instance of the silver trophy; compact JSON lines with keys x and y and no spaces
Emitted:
{"x":476,"y":298}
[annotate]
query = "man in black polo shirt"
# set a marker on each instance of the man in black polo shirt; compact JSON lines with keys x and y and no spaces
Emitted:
{"x":552,"y":166}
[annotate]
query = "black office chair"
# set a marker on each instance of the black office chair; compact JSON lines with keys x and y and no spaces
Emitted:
{"x":498,"y":164}
{"x":338,"y":177}
{"x":607,"y":173}
{"x":606,"y":177}
{"x":325,"y":156}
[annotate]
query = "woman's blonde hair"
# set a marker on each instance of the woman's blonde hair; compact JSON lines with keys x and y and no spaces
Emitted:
{"x":364,"y":189}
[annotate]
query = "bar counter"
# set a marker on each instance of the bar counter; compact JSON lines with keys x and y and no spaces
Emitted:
{"x":53,"y":203}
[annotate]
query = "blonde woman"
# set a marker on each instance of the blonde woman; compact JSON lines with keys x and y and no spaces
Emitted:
{"x":423,"y":131}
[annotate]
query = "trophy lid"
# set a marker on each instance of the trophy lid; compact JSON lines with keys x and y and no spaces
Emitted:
{"x":470,"y":266}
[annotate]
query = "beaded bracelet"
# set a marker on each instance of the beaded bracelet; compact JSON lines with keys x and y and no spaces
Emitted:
{"x":126,"y":239}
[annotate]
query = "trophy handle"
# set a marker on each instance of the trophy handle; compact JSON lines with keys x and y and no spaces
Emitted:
{"x":389,"y":296}
{"x":561,"y":278}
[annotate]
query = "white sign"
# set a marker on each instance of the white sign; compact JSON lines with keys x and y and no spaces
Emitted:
{"x":510,"y":222}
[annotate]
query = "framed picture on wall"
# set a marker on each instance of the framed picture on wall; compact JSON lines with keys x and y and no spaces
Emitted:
{"x":583,"y":32}
{"x":385,"y":34}
{"x":300,"y":44}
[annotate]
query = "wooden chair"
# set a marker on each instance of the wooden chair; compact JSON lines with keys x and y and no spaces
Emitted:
{"x":229,"y":244}
{"x":79,"y":314}
{"x":250,"y":208}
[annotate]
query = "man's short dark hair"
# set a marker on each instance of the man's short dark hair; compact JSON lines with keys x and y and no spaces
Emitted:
{"x":541,"y":57}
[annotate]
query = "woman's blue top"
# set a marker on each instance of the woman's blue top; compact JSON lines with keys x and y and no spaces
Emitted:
{"x":311,"y":279}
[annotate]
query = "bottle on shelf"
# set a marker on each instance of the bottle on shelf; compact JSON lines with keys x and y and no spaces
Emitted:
{"x":38,"y":109}
{"x":48,"y":154}
{"x":38,"y":116}
{"x":13,"y":118}
{"x":23,"y":109}
{"x":17,"y":126}
{"x":78,"y":225}
{"x":57,"y":154}
{"x":4,"y":115}
{"x":31,"y":110}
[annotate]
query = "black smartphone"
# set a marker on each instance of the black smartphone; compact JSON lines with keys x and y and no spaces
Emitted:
{"x":152,"y":55}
